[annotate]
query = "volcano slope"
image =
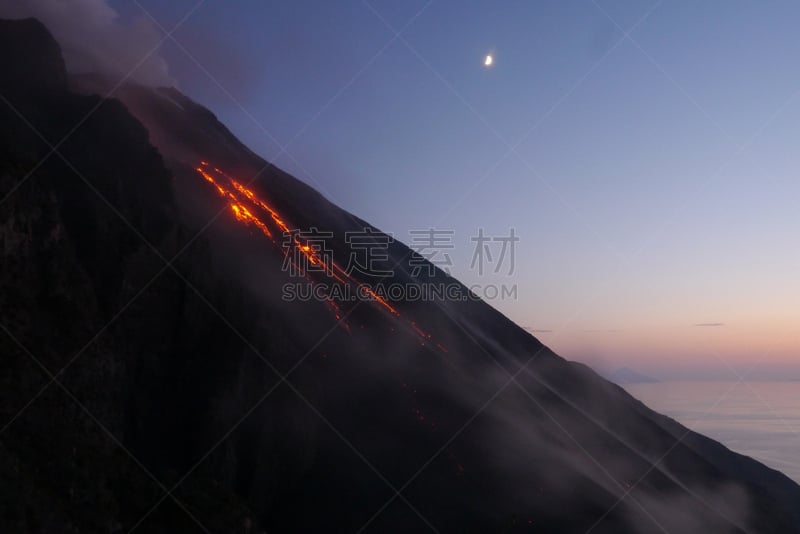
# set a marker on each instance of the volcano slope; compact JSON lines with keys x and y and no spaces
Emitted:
{"x":156,"y":379}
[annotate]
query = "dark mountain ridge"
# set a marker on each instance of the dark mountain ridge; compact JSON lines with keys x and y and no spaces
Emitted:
{"x":155,"y":380}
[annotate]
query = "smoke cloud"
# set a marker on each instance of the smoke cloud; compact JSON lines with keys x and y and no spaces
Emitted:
{"x":93,"y":38}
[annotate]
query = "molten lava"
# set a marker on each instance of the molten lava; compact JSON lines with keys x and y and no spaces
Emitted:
{"x":250,"y":210}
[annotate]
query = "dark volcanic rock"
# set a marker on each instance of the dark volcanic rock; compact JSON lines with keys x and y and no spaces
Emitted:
{"x":31,"y":60}
{"x":144,"y":342}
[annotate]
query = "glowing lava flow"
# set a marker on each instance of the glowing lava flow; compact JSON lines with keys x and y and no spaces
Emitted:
{"x":250,"y":210}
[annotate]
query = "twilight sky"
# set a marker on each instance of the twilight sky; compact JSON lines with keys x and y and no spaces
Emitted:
{"x":644,"y":153}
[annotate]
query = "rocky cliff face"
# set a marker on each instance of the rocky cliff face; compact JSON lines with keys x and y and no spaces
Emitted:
{"x":154,"y":379}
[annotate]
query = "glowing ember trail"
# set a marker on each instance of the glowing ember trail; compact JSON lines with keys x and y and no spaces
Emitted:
{"x":251,"y":210}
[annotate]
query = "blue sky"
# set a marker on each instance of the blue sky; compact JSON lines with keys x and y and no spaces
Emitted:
{"x":644,"y":152}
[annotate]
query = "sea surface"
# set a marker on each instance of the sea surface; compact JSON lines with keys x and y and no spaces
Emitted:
{"x":759,"y":419}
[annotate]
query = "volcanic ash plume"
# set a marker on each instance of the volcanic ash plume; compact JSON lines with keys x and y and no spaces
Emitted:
{"x":94,"y":39}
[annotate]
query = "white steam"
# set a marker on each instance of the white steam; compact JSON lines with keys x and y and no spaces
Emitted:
{"x":94,"y":39}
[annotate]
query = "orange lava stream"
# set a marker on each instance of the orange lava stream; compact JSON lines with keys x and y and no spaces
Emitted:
{"x":246,"y":207}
